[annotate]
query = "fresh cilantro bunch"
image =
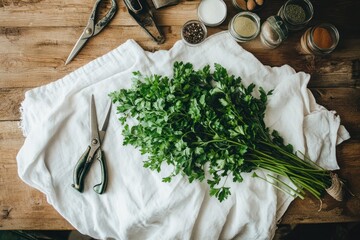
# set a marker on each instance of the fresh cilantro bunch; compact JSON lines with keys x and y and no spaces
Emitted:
{"x":207,"y":123}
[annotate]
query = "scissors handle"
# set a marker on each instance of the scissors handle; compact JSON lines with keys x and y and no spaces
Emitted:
{"x":81,"y":169}
{"x":101,"y":187}
{"x":134,"y":5}
{"x":106,"y":19}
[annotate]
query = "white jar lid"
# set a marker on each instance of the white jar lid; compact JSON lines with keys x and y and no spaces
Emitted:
{"x":212,"y":12}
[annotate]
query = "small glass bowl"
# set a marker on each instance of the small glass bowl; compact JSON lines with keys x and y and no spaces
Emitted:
{"x":290,"y":23}
{"x":236,"y":34}
{"x":193,"y":32}
{"x":204,"y":16}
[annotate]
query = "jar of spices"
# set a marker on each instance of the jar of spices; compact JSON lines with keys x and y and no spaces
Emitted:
{"x":320,"y":39}
{"x":193,"y":32}
{"x":244,"y":26}
{"x":212,"y":12}
{"x":296,"y":13}
{"x":273,"y":32}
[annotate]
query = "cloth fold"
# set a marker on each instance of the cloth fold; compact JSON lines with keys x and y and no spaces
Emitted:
{"x":137,"y":204}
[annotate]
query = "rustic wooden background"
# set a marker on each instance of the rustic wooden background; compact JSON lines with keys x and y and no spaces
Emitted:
{"x":36,"y":37}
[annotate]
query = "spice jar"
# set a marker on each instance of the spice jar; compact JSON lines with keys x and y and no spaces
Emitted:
{"x":320,"y":39}
{"x":296,"y":13}
{"x":212,"y":12}
{"x":244,"y":26}
{"x":273,"y":32}
{"x":193,"y":32}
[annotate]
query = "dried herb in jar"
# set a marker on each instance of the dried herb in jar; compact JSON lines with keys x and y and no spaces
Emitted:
{"x":295,"y":13}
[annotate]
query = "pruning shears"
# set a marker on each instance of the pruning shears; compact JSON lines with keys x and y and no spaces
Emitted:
{"x":92,"y":28}
{"x":140,"y":11}
{"x":92,"y":152}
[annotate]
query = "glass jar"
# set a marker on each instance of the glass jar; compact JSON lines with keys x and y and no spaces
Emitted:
{"x":193,"y":32}
{"x":296,"y":13}
{"x":273,"y":32}
{"x":320,"y":39}
{"x":244,"y":26}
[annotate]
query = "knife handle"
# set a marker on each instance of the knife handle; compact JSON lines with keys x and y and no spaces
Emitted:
{"x":80,"y":171}
{"x":101,"y":187}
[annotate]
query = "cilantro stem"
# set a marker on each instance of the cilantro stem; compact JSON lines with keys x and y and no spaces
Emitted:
{"x":299,"y":192}
{"x":294,"y":194}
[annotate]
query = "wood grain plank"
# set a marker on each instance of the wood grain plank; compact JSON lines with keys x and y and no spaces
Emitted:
{"x":32,"y":57}
{"x":75,"y":13}
{"x":10,"y":103}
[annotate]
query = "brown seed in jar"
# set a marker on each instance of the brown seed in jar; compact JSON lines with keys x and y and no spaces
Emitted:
{"x":259,"y":2}
{"x":241,"y":4}
{"x":251,"y":5}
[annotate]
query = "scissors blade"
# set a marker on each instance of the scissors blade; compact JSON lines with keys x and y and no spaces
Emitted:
{"x":78,"y":46}
{"x":105,"y":123}
{"x":93,"y":121}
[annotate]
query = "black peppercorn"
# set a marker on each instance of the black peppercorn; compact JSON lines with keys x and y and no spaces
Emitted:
{"x":194,"y":32}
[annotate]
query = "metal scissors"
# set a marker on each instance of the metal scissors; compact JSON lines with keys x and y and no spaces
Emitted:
{"x":143,"y":15}
{"x":91,"y":28}
{"x":92,"y":152}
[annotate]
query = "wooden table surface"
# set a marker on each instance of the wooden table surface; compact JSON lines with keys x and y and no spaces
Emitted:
{"x":36,"y":37}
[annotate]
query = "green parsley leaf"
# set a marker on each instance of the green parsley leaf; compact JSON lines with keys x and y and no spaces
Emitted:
{"x":206,"y":123}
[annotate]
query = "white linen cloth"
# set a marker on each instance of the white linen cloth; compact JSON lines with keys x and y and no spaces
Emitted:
{"x":137,"y":204}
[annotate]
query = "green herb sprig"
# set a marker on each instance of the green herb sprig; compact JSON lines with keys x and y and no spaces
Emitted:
{"x":207,"y":123}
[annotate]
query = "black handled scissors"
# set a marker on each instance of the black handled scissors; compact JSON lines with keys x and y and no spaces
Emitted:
{"x":91,"y":28}
{"x":93,"y":151}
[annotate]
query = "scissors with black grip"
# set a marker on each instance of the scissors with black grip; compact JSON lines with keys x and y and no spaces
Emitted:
{"x":92,"y":152}
{"x":91,"y":28}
